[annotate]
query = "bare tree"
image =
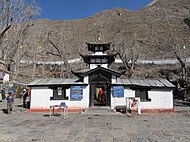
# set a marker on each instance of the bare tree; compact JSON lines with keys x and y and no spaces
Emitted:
{"x":187,"y":21}
{"x":170,"y":38}
{"x":35,"y":56}
{"x":15,"y":18}
{"x":56,"y":39}
{"x":167,"y":29}
{"x":128,"y":51}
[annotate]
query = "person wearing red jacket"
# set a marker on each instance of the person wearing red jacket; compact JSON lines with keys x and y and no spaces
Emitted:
{"x":101,"y":94}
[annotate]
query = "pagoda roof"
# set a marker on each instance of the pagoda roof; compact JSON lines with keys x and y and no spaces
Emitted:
{"x":98,"y":56}
{"x":98,"y":43}
{"x":87,"y":58}
{"x":82,"y":73}
{"x":98,"y":46}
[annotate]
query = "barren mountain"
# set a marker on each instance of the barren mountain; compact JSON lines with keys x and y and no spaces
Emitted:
{"x":152,"y":30}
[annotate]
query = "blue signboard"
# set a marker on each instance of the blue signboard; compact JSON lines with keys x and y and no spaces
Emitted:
{"x":118,"y":91}
{"x":76,"y":92}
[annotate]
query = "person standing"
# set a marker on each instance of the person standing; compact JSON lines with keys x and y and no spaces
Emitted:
{"x":1,"y":97}
{"x":10,"y":101}
{"x":101,"y":93}
{"x":3,"y":93}
{"x":24,"y":96}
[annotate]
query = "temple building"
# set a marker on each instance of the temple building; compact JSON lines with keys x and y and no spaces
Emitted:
{"x":100,"y":86}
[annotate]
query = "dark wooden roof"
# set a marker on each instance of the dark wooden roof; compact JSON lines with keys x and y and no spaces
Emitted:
{"x":97,"y":46}
{"x":87,"y":58}
{"x":83,"y":73}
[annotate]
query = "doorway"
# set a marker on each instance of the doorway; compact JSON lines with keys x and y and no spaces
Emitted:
{"x":99,"y":94}
{"x":99,"y":88}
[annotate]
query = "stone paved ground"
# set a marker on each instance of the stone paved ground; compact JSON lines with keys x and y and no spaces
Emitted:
{"x":22,"y":126}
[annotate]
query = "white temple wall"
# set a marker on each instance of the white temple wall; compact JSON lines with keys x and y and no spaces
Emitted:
{"x":40,"y":98}
{"x":121,"y":101}
{"x":160,"y":99}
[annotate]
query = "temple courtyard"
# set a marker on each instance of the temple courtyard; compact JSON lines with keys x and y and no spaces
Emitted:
{"x":25,"y":126}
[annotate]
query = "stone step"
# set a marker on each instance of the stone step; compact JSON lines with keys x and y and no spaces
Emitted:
{"x":100,"y":111}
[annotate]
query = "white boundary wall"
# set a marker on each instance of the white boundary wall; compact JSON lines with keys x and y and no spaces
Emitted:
{"x":160,"y":99}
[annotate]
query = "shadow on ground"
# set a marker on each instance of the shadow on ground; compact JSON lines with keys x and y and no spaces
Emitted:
{"x":19,"y":105}
{"x":46,"y":115}
{"x":5,"y":111}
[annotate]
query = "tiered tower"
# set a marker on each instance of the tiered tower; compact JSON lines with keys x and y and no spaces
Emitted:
{"x":99,"y":57}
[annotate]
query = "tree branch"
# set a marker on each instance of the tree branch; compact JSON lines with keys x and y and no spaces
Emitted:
{"x":5,"y":30}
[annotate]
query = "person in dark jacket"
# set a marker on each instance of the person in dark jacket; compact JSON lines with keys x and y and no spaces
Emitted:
{"x":10,"y":101}
{"x":24,"y":96}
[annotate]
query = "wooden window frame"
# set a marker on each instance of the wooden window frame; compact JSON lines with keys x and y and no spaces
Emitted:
{"x":59,"y":93}
{"x":142,"y":94}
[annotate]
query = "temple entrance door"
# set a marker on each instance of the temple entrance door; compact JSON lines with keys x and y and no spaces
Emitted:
{"x":100,"y":92}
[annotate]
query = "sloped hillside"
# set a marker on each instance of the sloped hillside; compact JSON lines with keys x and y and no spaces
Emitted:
{"x":149,"y":28}
{"x":132,"y":25}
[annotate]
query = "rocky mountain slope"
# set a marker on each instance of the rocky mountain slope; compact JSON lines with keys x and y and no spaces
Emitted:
{"x":121,"y":23}
{"x":152,"y":29}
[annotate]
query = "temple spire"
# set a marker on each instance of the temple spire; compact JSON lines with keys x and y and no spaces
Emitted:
{"x":99,"y":36}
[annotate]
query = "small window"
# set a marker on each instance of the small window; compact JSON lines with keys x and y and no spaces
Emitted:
{"x":104,"y":60}
{"x":142,"y":94}
{"x":96,"y":48}
{"x":59,"y":94}
{"x":101,"y":48}
{"x":98,"y":60}
{"x":93,"y":60}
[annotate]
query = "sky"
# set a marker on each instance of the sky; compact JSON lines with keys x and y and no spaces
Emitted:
{"x":77,"y":9}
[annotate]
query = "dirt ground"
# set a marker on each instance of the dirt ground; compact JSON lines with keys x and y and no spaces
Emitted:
{"x":23,"y":126}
